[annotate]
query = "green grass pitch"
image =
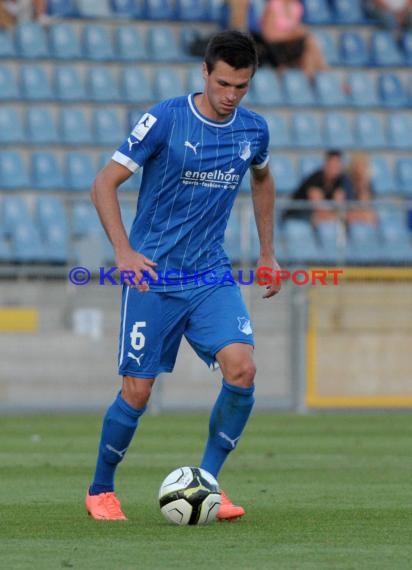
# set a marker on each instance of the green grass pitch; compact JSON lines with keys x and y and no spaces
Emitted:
{"x":327,"y":491}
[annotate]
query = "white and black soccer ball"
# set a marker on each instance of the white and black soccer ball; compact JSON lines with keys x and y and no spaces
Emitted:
{"x":189,"y":495}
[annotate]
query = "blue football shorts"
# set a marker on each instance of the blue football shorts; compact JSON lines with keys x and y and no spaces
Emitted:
{"x":152,"y":326}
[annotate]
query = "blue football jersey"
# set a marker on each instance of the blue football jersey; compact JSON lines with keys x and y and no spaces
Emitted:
{"x":192,"y":170}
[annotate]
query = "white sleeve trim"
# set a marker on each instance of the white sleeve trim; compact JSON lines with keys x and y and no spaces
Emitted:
{"x":126,"y":161}
{"x":262,"y":165}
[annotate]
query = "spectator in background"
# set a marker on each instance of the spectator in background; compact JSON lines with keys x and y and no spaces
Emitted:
{"x":288,"y":41}
{"x":328,"y":183}
{"x":358,"y":173}
{"x":394,"y":15}
{"x":24,"y":10}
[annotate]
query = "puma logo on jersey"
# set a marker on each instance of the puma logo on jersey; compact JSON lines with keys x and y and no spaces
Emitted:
{"x":232,"y":442}
{"x":137,"y":358}
{"x":131,"y":143}
{"x":194,"y":148}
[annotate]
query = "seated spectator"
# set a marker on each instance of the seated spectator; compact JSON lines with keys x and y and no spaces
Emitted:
{"x":359,"y":174}
{"x":23,"y":10}
{"x":394,"y":15}
{"x":289,"y":43}
{"x":328,"y":183}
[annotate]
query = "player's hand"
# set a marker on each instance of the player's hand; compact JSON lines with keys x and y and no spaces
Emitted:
{"x":273,"y":288}
{"x":139,"y":267}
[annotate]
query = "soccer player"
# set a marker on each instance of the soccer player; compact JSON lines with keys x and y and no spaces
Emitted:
{"x":194,"y":151}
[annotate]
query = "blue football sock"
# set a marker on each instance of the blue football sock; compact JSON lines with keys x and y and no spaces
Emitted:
{"x":119,"y":425}
{"x":227,"y":421}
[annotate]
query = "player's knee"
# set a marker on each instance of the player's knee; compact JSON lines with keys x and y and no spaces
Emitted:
{"x":136,"y":391}
{"x":243,"y":374}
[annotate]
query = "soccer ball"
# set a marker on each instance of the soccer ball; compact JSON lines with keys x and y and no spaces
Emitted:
{"x":189,"y":495}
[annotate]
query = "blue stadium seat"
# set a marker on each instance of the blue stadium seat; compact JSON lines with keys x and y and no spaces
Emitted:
{"x":329,"y":92}
{"x":396,"y":246}
{"x":41,"y":126}
{"x":135,"y":86}
{"x":406,"y":43}
{"x":160,"y":9}
{"x":167,"y":83}
{"x":102,"y":84}
{"x":107,"y":127}
{"x":384,"y":50}
{"x":5,"y":250}
{"x":49,"y":210}
{"x":399,"y":127}
{"x":8,"y":85}
{"x":79,"y":171}
{"x":6,"y":44}
{"x":35,"y":83}
{"x":331,"y":242}
{"x":11,"y":126}
{"x":327,"y":43}
{"x":305,"y":131}
{"x":127,"y":9}
{"x":278,"y":130}
{"x":317,"y":12}
{"x":215,"y":11}
{"x":56,"y":244}
{"x":191,"y":10}
{"x":297,"y":89}
{"x":362,"y":89}
{"x":129,"y":44}
{"x":97,"y":43}
{"x":308,"y":164}
{"x":364,"y":246}
{"x":162,"y":44}
{"x":85,"y":220}
{"x":391,"y":91}
{"x":93,"y":9}
{"x":369,"y":131}
{"x":265,"y":88}
{"x":68,"y":85}
{"x":45,"y":171}
{"x":301,"y":244}
{"x":404,"y":176}
{"x":62,"y":8}
{"x":284,"y":173}
{"x":338,"y":131}
{"x":348,"y":11}
{"x":194,"y":80}
{"x":383,"y":182}
{"x":13,"y":171}
{"x":74,"y":128}
{"x":27,"y":246}
{"x":64,"y":41}
{"x":31,"y":40}
{"x":51,"y":218}
{"x":353,"y":49}
{"x":15,"y":211}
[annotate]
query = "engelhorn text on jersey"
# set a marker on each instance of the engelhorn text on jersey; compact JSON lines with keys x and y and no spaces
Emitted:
{"x":212,"y":178}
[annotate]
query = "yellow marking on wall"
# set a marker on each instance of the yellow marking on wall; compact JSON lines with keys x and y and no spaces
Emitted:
{"x":18,"y":319}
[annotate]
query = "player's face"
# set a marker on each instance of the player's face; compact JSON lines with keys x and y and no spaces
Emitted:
{"x":224,"y":89}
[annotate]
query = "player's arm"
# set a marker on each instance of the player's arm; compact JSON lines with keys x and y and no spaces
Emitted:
{"x":263,"y":196}
{"x":105,"y":198}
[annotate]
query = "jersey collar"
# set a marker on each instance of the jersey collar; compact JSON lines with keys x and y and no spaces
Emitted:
{"x":196,"y":112}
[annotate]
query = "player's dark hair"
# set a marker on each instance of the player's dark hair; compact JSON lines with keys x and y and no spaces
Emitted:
{"x":235,"y":48}
{"x":333,"y":153}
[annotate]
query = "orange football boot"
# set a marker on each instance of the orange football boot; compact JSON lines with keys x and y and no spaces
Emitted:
{"x":227,"y":510}
{"x":105,"y":506}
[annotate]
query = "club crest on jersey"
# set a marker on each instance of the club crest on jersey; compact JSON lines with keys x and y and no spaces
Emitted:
{"x":244,"y":150}
{"x":244,"y":325}
{"x":141,"y":129}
